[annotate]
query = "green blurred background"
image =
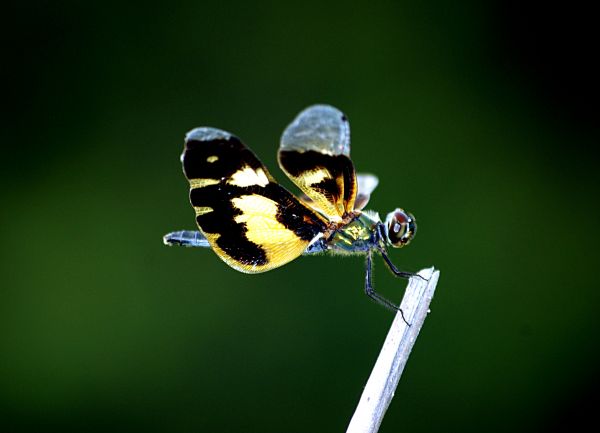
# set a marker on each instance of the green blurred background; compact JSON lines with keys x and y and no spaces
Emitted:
{"x":478,"y":118}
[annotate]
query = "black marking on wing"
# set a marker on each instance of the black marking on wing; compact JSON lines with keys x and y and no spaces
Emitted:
{"x":232,"y":154}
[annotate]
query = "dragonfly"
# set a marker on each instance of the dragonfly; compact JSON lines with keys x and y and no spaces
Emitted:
{"x":254,"y":224}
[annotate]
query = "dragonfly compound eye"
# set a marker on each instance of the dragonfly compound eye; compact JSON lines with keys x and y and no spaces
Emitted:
{"x":401,"y":227}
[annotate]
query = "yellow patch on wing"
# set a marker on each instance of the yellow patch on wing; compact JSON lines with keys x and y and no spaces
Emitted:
{"x":248,"y":176}
{"x":202,"y":210}
{"x":333,"y":209}
{"x":314,"y":177}
{"x":259,"y":215}
{"x":201,"y":183}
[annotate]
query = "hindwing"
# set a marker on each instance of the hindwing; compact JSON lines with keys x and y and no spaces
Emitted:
{"x":250,"y":221}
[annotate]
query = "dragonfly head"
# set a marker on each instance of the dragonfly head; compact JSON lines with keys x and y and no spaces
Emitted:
{"x":400,"y":228}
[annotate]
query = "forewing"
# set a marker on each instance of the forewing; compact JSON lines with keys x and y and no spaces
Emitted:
{"x":250,"y":221}
{"x":315,"y":154}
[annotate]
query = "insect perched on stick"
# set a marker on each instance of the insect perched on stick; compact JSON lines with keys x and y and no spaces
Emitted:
{"x":254,"y":224}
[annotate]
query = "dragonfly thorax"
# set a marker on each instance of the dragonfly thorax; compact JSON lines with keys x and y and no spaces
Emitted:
{"x":359,"y":235}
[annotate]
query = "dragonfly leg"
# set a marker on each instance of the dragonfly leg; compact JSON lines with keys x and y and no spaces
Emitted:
{"x":371,"y":293}
{"x":397,"y":272}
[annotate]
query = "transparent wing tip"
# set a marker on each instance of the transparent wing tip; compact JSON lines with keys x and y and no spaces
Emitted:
{"x":319,"y":127}
{"x":205,"y":133}
{"x":322,"y":109}
{"x":367,"y":182}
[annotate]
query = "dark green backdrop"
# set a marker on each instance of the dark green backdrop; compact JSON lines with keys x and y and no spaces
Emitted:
{"x":475,"y":118}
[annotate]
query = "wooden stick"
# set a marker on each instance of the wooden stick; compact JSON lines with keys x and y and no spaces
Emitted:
{"x":398,"y":344}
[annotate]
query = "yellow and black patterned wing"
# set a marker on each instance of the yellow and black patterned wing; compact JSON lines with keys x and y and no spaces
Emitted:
{"x":250,"y":221}
{"x":315,"y":155}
